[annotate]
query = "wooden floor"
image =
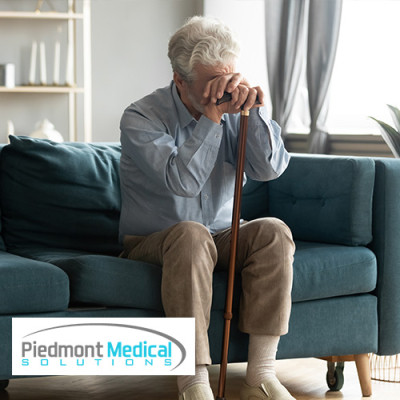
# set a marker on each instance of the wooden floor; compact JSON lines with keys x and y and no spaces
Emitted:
{"x":305,"y":379}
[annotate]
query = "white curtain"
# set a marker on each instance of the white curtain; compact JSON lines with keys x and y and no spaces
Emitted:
{"x":287,"y":23}
{"x":323,"y":34}
{"x":285,"y":30}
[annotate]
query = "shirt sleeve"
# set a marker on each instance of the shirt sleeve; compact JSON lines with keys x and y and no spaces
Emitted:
{"x":266,"y":156}
{"x":183,"y":170}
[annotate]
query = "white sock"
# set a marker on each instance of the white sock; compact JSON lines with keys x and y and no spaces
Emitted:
{"x":201,"y":376}
{"x":261,"y":358}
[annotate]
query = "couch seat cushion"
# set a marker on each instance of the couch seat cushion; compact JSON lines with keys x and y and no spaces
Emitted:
{"x":105,"y":280}
{"x":320,"y":271}
{"x":326,"y":270}
{"x":113,"y":282}
{"x":29,"y":286}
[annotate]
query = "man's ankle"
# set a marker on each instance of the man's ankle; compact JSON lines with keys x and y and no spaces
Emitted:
{"x":200,"y":376}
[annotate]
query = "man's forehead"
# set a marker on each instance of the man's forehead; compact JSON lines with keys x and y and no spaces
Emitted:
{"x":210,"y":71}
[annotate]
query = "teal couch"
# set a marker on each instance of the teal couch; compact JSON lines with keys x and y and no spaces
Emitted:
{"x":59,"y":244}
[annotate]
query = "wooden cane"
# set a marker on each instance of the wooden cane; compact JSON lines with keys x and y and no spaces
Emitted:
{"x":233,"y":250}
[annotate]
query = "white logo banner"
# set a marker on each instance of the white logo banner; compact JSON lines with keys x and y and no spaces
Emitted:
{"x":103,"y":346}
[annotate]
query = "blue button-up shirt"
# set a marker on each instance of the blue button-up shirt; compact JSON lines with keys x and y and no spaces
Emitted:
{"x":174,"y":168}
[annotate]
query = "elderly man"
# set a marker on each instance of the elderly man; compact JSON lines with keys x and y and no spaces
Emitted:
{"x":177,"y":181}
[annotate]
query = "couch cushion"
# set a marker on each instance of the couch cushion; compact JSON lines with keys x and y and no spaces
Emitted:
{"x":29,"y":286}
{"x":60,"y":195}
{"x":320,"y":271}
{"x":326,"y":199}
{"x":2,"y":245}
{"x":254,"y":200}
{"x":105,"y":280}
{"x":113,"y":282}
{"x":49,"y":255}
{"x":325,"y":270}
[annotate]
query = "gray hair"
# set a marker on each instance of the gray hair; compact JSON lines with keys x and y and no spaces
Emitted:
{"x":201,"y":40}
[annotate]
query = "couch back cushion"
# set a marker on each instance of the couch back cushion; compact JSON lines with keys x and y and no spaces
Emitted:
{"x":254,"y":200}
{"x":326,"y":199}
{"x":2,"y":245}
{"x":63,"y":195}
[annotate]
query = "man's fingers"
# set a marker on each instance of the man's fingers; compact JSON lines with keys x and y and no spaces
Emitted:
{"x":235,"y":97}
{"x":216,"y":88}
{"x":260,"y":95}
{"x":234,"y":82}
{"x":206,"y":92}
{"x":220,"y":86}
{"x":251,"y":99}
{"x":243,"y":93}
{"x":255,"y":97}
{"x":238,"y":93}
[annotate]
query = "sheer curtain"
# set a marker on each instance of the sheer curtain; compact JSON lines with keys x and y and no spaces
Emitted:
{"x":323,"y":34}
{"x":285,"y":29}
{"x":287,"y":23}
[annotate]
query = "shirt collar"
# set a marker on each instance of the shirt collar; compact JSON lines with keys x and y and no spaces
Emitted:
{"x":184,"y":116}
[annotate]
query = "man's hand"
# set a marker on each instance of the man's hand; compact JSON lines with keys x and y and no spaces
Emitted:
{"x":243,"y":96}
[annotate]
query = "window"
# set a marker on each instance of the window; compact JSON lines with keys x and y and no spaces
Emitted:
{"x":366,"y":74}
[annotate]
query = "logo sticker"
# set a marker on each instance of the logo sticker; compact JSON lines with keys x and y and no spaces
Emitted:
{"x":103,"y":346}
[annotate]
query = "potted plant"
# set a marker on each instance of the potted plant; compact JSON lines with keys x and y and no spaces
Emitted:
{"x":391,"y":135}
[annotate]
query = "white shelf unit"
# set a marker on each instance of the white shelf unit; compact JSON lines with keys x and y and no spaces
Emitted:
{"x":42,"y":89}
{"x":40,"y":15}
{"x":71,"y":17}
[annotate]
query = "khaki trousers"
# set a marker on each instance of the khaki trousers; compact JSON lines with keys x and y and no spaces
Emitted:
{"x":188,"y":254}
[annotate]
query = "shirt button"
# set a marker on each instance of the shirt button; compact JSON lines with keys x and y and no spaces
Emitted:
{"x":206,"y":197}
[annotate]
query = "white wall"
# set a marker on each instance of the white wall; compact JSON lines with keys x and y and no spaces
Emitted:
{"x":129,"y":42}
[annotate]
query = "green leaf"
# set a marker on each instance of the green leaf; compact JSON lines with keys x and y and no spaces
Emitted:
{"x":391,"y":136}
{"x":395,"y":116}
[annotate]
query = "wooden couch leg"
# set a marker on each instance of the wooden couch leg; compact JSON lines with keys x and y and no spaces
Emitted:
{"x":364,"y":373}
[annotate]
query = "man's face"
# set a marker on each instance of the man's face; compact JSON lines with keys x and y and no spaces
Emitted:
{"x":192,"y":92}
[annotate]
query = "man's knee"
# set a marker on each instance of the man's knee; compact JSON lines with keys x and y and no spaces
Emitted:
{"x":270,"y":252}
{"x":195,"y":238}
{"x":268,"y":229}
{"x":191,"y":231}
{"x":190,"y":227}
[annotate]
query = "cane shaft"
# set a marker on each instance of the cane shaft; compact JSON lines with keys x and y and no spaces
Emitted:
{"x":233,"y":250}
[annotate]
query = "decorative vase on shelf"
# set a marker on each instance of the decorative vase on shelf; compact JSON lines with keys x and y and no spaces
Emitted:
{"x":45,"y":130}
{"x":10,"y":130}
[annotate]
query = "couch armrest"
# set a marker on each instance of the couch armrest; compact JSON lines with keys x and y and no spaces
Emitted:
{"x":386,"y":246}
{"x":325,"y":198}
